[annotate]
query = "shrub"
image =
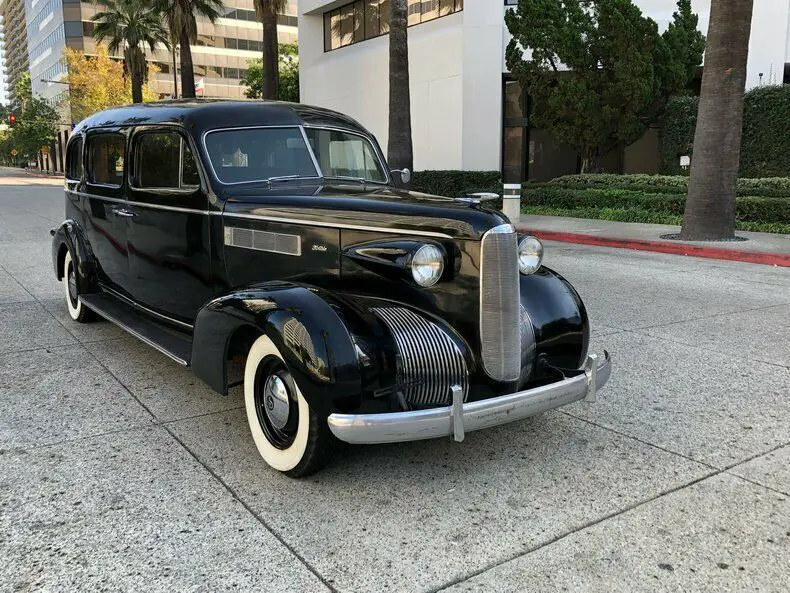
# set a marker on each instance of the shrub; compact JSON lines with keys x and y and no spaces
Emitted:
{"x":456,"y":183}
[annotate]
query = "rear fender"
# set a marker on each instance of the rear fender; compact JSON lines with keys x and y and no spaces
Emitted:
{"x":69,"y":235}
{"x":309,"y":334}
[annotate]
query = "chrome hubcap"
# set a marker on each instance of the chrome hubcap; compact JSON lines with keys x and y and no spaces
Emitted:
{"x":276,"y":402}
{"x":72,"y":282}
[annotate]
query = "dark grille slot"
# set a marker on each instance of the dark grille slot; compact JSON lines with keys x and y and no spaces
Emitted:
{"x":500,"y":336}
{"x":429,"y":362}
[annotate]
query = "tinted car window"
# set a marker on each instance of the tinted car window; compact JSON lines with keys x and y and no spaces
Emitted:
{"x":74,"y":159}
{"x":256,"y":154}
{"x":163,"y":161}
{"x":106,"y":159}
{"x":341,"y":154}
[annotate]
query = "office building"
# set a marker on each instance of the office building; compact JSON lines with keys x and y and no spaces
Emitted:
{"x":467,"y":112}
{"x":15,"y":60}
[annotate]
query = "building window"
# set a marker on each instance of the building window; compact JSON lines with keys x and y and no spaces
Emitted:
{"x":366,"y":19}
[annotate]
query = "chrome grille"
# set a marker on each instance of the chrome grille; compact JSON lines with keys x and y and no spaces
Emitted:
{"x":500,"y":339}
{"x":429,"y":361}
{"x":263,"y":241}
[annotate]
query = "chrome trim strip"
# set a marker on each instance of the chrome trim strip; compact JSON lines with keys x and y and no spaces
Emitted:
{"x":354,"y":227}
{"x":316,"y":164}
{"x":138,"y":335}
{"x":438,"y":422}
{"x":142,"y":204}
{"x":136,"y":305}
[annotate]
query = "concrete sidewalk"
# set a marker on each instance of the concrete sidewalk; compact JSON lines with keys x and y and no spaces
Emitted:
{"x":765,"y":248}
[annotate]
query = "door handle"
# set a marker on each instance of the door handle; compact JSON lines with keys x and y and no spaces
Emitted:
{"x":123,"y":213}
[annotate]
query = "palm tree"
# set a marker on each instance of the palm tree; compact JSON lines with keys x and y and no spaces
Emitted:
{"x":131,"y":25}
{"x":182,"y":25}
{"x":710,"y":205}
{"x":399,"y":148}
{"x":267,"y":11}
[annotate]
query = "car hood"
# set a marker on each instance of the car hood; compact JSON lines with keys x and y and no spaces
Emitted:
{"x":355,"y":206}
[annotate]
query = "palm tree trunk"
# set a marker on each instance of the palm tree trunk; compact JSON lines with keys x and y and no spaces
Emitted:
{"x":399,"y":147}
{"x":175,"y":70}
{"x":187,"y":69}
{"x":135,"y":60}
{"x":710,"y":205}
{"x":271,"y":57}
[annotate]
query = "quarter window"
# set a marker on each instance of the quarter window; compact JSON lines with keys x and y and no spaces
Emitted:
{"x":106,"y":153}
{"x":74,"y":159}
{"x":164,"y":161}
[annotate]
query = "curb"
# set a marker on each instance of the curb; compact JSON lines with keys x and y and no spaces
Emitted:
{"x":754,"y":257}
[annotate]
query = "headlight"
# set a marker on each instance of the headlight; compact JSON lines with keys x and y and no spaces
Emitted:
{"x":427,"y":265}
{"x":530,"y":254}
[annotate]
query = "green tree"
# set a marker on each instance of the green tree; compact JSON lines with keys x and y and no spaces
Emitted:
{"x":180,"y":16}
{"x":710,"y":205}
{"x":599,"y":73}
{"x":36,"y":126}
{"x":289,"y":75}
{"x":131,"y":25}
{"x":267,"y":11}
{"x":400,"y":152}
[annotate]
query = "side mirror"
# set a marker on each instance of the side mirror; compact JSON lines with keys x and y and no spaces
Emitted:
{"x":405,"y":174}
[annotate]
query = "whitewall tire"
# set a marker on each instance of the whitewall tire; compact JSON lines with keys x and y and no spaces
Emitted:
{"x":288,"y":434}
{"x":77,"y":311}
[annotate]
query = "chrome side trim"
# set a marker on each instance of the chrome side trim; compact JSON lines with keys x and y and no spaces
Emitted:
{"x":428,"y":362}
{"x":140,"y":204}
{"x":137,"y":305}
{"x":438,"y":422}
{"x":331,"y":225}
{"x":263,"y":241}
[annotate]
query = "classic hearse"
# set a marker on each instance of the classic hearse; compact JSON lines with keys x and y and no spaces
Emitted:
{"x":272,"y":237}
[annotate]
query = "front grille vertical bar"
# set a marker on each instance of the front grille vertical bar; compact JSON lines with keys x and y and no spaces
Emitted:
{"x":500,"y":336}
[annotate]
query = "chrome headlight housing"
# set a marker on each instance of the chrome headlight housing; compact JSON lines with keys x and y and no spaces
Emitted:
{"x":427,"y":265}
{"x":530,"y":254}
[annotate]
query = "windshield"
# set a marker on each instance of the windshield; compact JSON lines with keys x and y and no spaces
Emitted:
{"x":258,"y":154}
{"x":345,"y":155}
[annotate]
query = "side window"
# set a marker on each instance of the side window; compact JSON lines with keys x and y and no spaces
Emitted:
{"x":164,"y":161}
{"x":74,"y":159}
{"x":106,"y":159}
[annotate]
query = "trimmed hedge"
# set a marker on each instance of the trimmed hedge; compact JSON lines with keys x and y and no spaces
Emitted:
{"x":456,"y":183}
{"x":770,"y":214}
{"x":778,"y":187}
{"x":765,"y":143}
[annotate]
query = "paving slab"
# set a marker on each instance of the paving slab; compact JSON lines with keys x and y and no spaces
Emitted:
{"x":412,"y":516}
{"x":771,"y":470}
{"x":168,"y":390}
{"x":60,"y":394}
{"x":97,"y":330}
{"x":720,"y":535}
{"x":28,"y":325}
{"x":762,"y":335}
{"x":134,"y":512}
{"x":30,"y":263}
{"x":11,"y":291}
{"x":711,"y":407}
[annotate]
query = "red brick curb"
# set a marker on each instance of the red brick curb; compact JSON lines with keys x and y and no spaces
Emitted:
{"x":755,"y":257}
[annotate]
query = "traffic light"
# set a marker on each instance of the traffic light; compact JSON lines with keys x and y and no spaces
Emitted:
{"x":11,"y":119}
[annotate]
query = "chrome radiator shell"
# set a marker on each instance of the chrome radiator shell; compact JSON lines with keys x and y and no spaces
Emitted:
{"x":429,"y":361}
{"x":500,"y":304}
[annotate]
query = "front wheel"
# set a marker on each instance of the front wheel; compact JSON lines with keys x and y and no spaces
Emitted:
{"x":289,"y":435}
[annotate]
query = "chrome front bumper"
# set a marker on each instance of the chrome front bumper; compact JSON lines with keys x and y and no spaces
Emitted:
{"x":460,"y":418}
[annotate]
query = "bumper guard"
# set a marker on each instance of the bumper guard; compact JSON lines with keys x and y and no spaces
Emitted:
{"x":460,"y":418}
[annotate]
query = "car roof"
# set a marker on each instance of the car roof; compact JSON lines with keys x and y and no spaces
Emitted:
{"x":199,"y":115}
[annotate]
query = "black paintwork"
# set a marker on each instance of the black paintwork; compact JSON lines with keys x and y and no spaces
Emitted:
{"x":357,"y":239}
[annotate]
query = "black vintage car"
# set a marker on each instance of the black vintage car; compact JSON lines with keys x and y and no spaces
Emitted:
{"x":268,"y":244}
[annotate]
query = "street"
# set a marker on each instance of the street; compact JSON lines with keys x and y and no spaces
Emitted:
{"x":119,"y":470}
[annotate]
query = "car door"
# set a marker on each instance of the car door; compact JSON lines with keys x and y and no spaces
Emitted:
{"x":169,"y":247}
{"x":106,"y":213}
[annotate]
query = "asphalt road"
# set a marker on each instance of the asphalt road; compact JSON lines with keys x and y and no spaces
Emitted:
{"x":120,"y":471}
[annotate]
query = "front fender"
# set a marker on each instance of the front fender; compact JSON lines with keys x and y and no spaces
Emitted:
{"x":309,"y":334}
{"x":559,"y":319}
{"x":69,"y":235}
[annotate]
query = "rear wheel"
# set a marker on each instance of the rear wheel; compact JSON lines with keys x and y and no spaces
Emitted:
{"x":289,"y":435}
{"x":77,"y":311}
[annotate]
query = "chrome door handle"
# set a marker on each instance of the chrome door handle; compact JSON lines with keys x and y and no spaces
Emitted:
{"x":124,"y":213}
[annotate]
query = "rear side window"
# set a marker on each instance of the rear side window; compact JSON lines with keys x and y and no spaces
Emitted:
{"x":106,"y":154}
{"x":74,"y":159}
{"x":163,"y":160}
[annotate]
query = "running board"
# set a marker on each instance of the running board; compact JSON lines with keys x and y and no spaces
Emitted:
{"x":170,"y":342}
